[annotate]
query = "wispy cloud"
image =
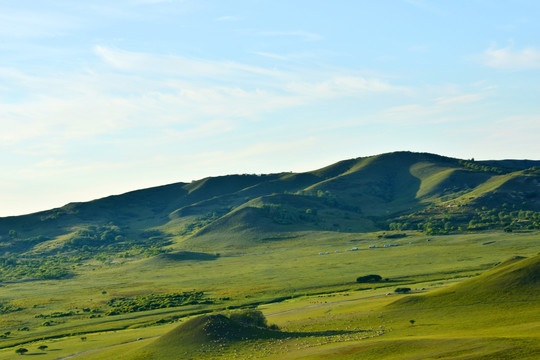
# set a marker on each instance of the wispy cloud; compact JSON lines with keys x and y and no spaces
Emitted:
{"x":460,"y":99}
{"x":344,"y":86}
{"x":175,"y":65}
{"x":437,"y":110}
{"x":132,"y":90}
{"x":508,"y":58}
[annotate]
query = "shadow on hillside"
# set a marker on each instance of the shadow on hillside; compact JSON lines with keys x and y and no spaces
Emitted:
{"x":187,"y":255}
{"x":298,"y":334}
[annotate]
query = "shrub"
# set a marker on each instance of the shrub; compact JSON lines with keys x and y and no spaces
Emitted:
{"x":250,"y":317}
{"x":21,"y":351}
{"x":402,"y":290}
{"x":369,"y":278}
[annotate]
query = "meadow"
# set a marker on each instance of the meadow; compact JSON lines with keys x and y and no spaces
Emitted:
{"x":314,"y":299}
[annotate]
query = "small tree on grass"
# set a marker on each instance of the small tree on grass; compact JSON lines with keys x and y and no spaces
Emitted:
{"x":412,"y":322}
{"x":21,"y":351}
{"x":369,"y":278}
{"x":249,"y":317}
{"x":402,"y":290}
{"x":42,"y":347}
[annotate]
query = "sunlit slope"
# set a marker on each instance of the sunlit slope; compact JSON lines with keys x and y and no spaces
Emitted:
{"x":515,"y":280}
{"x":491,"y":316}
{"x":385,"y":184}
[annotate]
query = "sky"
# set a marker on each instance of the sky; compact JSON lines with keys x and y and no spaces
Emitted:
{"x":103,"y":97}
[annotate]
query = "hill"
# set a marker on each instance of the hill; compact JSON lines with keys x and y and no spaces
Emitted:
{"x":395,"y":191}
{"x":515,"y":280}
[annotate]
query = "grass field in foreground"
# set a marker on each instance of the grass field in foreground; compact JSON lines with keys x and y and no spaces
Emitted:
{"x":464,"y":325}
{"x":281,"y":269}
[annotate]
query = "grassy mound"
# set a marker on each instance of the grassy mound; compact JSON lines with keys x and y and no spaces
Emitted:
{"x":209,"y":329}
{"x":515,"y":280}
{"x":204,"y":334}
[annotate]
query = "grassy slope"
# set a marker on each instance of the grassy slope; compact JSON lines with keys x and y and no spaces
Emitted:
{"x":491,"y":316}
{"x":353,"y":195}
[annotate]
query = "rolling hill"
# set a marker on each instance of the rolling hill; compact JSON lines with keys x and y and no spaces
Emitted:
{"x":395,"y":191}
{"x":515,"y":280}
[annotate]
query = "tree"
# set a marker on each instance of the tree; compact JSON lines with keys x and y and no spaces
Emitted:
{"x":412,"y":322}
{"x":21,"y":351}
{"x":42,"y":347}
{"x":250,"y":317}
{"x":369,"y":278}
{"x":402,"y":290}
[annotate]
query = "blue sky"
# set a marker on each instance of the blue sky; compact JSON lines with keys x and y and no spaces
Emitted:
{"x":103,"y":97}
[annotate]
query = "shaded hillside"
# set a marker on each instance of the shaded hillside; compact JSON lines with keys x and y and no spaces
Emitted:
{"x":401,"y":191}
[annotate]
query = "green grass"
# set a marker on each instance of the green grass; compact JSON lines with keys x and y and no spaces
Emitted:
{"x":248,"y":240}
{"x":277,"y":269}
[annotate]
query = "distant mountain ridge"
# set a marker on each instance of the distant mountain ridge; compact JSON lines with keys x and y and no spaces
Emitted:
{"x":393,"y":191}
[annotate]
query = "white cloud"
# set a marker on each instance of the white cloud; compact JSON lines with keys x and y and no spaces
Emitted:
{"x":508,"y":58}
{"x":460,"y":99}
{"x":343,"y":86}
{"x":176,"y":65}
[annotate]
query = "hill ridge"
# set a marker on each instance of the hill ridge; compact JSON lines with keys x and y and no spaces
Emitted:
{"x":391,"y":191}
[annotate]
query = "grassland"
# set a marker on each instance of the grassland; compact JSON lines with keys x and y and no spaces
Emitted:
{"x":324,"y":299}
{"x":117,"y":277}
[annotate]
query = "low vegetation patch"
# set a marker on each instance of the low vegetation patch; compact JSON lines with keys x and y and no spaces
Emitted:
{"x":125,"y":305}
{"x":8,"y":308}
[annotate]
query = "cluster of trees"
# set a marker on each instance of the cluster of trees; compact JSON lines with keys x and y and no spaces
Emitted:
{"x":285,"y":215}
{"x":13,"y":267}
{"x":102,"y":243}
{"x":479,"y":167}
{"x":56,"y":314}
{"x":433,"y":222}
{"x":155,"y":301}
{"x":199,"y":223}
{"x":95,"y":236}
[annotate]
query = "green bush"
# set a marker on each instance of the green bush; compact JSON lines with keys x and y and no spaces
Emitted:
{"x":369,"y":278}
{"x":249,"y":317}
{"x":402,"y":290}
